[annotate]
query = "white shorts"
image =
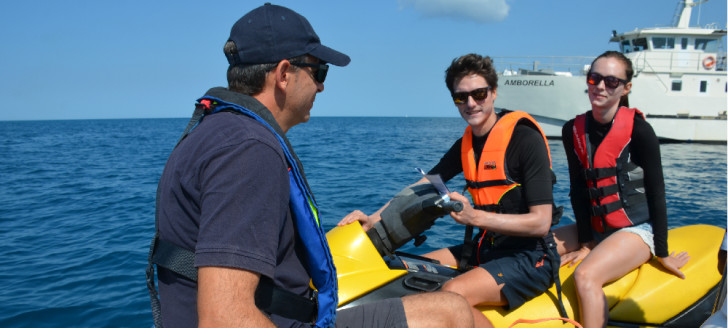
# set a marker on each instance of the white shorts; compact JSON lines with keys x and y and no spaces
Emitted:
{"x":644,"y":230}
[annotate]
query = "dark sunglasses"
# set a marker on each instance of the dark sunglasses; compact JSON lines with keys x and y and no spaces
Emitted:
{"x":611,"y":82}
{"x":319,"y":72}
{"x":477,"y":94}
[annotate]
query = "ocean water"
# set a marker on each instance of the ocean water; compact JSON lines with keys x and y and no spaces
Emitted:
{"x":77,"y":201}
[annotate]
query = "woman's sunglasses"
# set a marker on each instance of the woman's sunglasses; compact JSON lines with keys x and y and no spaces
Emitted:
{"x":477,"y":94}
{"x":319,"y":71}
{"x":611,"y":82}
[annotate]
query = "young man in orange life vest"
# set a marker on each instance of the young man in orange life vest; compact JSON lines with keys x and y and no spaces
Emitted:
{"x":506,"y":162}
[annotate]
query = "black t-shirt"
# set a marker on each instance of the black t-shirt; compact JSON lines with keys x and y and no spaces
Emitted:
{"x":527,"y":162}
{"x":644,"y":151}
{"x":224,"y":194}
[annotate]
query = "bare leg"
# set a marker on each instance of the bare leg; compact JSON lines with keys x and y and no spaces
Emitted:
{"x":611,"y":259}
{"x":477,"y":286}
{"x":438,"y":309}
{"x":444,"y":256}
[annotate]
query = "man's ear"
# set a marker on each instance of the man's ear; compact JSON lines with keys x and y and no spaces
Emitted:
{"x":282,"y":74}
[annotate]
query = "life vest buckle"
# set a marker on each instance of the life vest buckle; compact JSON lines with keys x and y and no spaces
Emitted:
{"x":598,"y":210}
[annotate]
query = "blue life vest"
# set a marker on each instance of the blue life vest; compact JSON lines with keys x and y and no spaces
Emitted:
{"x":318,"y":260}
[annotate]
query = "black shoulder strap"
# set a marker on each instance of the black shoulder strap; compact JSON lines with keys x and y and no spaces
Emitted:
{"x":268,"y":297}
{"x":468,"y":245}
{"x":174,"y":258}
{"x":467,"y":251}
{"x":153,"y":249}
{"x":552,"y":252}
{"x":153,"y":294}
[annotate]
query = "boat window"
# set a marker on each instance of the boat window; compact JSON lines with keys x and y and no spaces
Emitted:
{"x":684,"y":43}
{"x":703,"y":86}
{"x":676,"y":85}
{"x":639,"y":44}
{"x":707,"y":45}
{"x":626,"y":47}
{"x":663,"y":43}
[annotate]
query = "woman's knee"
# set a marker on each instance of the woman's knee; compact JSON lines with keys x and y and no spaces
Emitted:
{"x":586,"y":278}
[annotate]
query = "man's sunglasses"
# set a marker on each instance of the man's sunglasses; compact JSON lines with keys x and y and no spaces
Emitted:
{"x":319,"y":72}
{"x":611,"y":82}
{"x":477,"y":94}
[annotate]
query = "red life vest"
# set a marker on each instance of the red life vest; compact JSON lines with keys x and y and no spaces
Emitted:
{"x":615,"y":184}
{"x":488,"y":181}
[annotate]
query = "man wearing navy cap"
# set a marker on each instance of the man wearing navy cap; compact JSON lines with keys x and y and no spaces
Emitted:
{"x":239,"y":237}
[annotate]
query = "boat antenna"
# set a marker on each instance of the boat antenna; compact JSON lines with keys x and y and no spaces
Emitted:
{"x":683,"y":20}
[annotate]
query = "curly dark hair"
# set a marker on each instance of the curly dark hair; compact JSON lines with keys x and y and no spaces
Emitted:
{"x":471,"y":64}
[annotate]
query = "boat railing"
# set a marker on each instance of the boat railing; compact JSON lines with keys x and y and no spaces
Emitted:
{"x":641,"y":64}
{"x":676,"y":62}
{"x":542,"y":65}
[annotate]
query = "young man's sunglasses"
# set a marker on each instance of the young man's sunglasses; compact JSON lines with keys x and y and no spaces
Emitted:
{"x":611,"y":82}
{"x":319,"y":72}
{"x":477,"y":94}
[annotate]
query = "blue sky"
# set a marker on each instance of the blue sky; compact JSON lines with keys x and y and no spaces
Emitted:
{"x":151,"y":59}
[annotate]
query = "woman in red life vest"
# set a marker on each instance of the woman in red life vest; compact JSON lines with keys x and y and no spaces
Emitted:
{"x":617,"y":190}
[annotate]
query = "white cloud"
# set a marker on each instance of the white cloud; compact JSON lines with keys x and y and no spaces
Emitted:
{"x":484,"y":11}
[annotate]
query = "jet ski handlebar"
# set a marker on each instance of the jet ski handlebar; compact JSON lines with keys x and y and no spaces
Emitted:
{"x":410,"y":213}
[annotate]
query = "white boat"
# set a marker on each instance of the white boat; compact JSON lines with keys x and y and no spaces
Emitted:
{"x":679,"y":81}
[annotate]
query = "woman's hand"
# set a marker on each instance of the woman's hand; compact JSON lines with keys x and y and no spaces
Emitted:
{"x":366,"y":221}
{"x":575,"y":256}
{"x":673,"y":263}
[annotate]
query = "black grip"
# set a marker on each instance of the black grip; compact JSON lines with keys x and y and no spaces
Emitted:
{"x":452,"y":206}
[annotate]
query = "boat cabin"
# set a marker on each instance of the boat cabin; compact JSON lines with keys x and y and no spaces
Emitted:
{"x":674,"y":49}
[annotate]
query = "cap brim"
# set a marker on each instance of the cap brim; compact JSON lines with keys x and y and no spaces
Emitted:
{"x":330,"y":56}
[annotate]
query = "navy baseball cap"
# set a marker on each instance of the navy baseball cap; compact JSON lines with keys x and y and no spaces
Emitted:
{"x":270,"y":33}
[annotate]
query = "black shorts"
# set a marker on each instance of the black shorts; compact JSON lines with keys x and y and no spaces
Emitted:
{"x":386,"y":313}
{"x":524,"y":273}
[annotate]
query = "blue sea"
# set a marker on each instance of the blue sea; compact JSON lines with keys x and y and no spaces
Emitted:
{"x":77,"y":201}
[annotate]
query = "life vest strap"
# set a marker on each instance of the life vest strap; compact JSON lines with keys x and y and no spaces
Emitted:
{"x":467,"y":251}
{"x":600,"y":210}
{"x":486,"y":184}
{"x":596,"y":193}
{"x":633,"y":184}
{"x":175,"y":259}
{"x":634,"y":200}
{"x":494,"y":208}
{"x":599,"y":173}
{"x":269,"y":298}
{"x":552,"y":254}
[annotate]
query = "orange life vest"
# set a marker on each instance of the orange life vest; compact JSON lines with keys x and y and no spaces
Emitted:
{"x":488,"y":181}
{"x":615,"y":184}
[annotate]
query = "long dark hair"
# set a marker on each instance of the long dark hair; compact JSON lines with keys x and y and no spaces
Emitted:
{"x":629,"y":70}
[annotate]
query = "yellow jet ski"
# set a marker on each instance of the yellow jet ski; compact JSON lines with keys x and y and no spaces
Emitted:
{"x":369,"y":268}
